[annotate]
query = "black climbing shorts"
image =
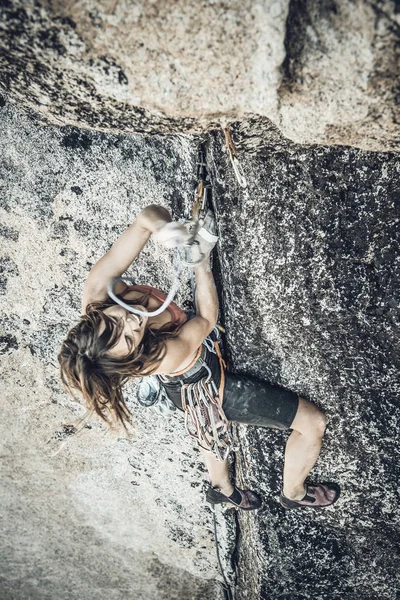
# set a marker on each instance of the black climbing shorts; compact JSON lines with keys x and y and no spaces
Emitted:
{"x":247,"y":399}
{"x":250,"y":400}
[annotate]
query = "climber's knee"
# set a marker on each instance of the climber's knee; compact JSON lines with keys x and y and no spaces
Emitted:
{"x":309,"y":420}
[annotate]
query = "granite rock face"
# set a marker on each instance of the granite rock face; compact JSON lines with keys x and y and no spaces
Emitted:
{"x":88,"y":514}
{"x":308,"y":270}
{"x":323,"y":71}
{"x":105,"y":105}
{"x":310,"y":267}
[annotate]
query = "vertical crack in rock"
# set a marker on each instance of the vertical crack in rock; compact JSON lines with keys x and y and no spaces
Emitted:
{"x":308,"y":275}
{"x":310,"y":271}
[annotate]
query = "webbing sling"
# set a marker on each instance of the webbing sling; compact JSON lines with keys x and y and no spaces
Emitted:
{"x":205,"y":419}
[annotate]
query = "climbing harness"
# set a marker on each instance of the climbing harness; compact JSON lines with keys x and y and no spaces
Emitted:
{"x":242,"y":181}
{"x":205,"y":419}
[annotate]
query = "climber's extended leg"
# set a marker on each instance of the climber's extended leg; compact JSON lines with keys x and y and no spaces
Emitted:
{"x":302,"y":450}
{"x":218,"y":471}
{"x":248,"y":399}
{"x":221,"y":489}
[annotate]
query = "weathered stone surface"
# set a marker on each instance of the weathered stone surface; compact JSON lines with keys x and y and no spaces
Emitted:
{"x":340,"y":73}
{"x":308,"y":274}
{"x":88,"y":515}
{"x":323,"y":71}
{"x":310,"y":268}
{"x":309,"y":258}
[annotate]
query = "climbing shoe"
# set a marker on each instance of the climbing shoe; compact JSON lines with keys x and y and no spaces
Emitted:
{"x":243,"y":499}
{"x":318,"y":495}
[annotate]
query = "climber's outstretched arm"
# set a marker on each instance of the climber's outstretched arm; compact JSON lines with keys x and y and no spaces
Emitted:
{"x":206,"y":296}
{"x":122,"y":253}
{"x":192,"y":333}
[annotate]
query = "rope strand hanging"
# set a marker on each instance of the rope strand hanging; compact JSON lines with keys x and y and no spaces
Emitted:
{"x":188,"y":255}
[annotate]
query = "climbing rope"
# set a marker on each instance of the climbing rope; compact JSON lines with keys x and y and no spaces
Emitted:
{"x":199,"y":209}
{"x":177,"y":266}
{"x":201,"y":202}
{"x":227,"y":588}
{"x":201,"y":400}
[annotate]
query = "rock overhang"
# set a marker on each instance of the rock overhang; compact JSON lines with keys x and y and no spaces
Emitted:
{"x":322,"y":72}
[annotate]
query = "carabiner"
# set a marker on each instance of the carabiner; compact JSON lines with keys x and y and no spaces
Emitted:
{"x":190,"y":260}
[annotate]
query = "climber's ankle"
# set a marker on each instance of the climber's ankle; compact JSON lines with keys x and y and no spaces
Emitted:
{"x":225,"y":487}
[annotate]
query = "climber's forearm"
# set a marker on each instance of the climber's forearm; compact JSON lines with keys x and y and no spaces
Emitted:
{"x":206,"y":297}
{"x":126,"y":249}
{"x":154,"y":217}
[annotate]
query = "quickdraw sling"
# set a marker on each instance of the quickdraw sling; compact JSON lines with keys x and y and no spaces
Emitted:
{"x":205,"y":419}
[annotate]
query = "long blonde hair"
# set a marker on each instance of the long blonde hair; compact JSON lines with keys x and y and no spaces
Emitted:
{"x":87,"y":366}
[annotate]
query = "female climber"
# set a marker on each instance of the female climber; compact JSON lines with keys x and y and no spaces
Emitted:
{"x":110,"y":344}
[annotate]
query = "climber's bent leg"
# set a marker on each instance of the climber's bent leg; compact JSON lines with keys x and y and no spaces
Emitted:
{"x":302,"y":449}
{"x":250,"y":400}
{"x":218,"y":471}
{"x":225,"y":492}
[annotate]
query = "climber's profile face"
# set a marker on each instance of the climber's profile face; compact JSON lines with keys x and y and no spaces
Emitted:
{"x":132,"y":329}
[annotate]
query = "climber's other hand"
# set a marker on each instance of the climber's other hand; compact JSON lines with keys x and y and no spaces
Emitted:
{"x":171,"y":234}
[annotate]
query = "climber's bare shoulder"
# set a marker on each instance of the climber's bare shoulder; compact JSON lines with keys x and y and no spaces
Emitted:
{"x":182,"y":349}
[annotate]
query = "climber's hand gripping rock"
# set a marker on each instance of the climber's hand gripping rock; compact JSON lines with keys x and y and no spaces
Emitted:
{"x":198,"y":247}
